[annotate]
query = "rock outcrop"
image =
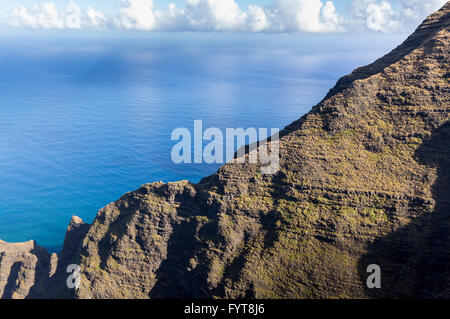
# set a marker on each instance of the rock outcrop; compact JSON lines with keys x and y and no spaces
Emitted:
{"x":29,"y":271}
{"x":363,"y":179}
{"x":23,"y":267}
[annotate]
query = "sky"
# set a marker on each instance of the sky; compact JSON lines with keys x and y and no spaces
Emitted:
{"x":307,"y":16}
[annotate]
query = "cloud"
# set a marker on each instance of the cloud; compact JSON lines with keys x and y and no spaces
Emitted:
{"x":197,"y":15}
{"x":74,"y":16}
{"x":46,"y":16}
{"x":97,"y":19}
{"x":43,"y":16}
{"x":257,"y":20}
{"x":307,"y":16}
{"x":414,"y":10}
{"x":283,"y":15}
{"x":136,"y":14}
{"x":227,"y":15}
{"x":376,"y":15}
{"x":218,"y":15}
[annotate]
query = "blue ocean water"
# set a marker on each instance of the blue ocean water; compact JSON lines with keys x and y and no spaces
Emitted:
{"x":86,"y":118}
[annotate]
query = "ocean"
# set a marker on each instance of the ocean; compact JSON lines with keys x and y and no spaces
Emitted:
{"x":85,"y":118}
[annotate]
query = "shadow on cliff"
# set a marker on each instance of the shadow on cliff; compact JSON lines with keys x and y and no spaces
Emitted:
{"x":11,"y":283}
{"x":53,"y":285}
{"x":19,"y":276}
{"x":415,"y":260}
{"x":176,"y":277}
{"x":174,"y":280}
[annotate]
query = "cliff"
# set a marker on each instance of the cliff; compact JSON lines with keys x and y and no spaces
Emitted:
{"x":22,"y":267}
{"x":363,"y":179}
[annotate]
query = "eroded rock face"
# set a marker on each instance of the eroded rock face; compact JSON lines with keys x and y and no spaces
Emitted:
{"x":23,"y":268}
{"x":363,"y":179}
{"x":29,"y":271}
{"x":128,"y":242}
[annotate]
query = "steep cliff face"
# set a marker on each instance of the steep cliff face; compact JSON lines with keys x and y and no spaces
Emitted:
{"x":363,"y":179}
{"x":29,"y":271}
{"x":23,"y":267}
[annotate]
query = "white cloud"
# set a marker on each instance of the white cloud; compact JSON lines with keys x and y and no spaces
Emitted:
{"x":226,"y":15}
{"x":218,"y":15}
{"x":97,"y":19}
{"x":171,"y":19}
{"x":307,"y":15}
{"x":46,"y":16}
{"x":376,"y":15}
{"x":257,"y":19}
{"x":331,"y":17}
{"x":416,"y":10}
{"x":43,"y":15}
{"x":136,"y":14}
{"x":74,"y":18}
{"x":380,"y":17}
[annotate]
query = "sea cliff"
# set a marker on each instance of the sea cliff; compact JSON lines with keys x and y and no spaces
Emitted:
{"x":363,"y":179}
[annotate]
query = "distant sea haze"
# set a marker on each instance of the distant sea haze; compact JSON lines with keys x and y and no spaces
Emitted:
{"x":84,"y":119}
